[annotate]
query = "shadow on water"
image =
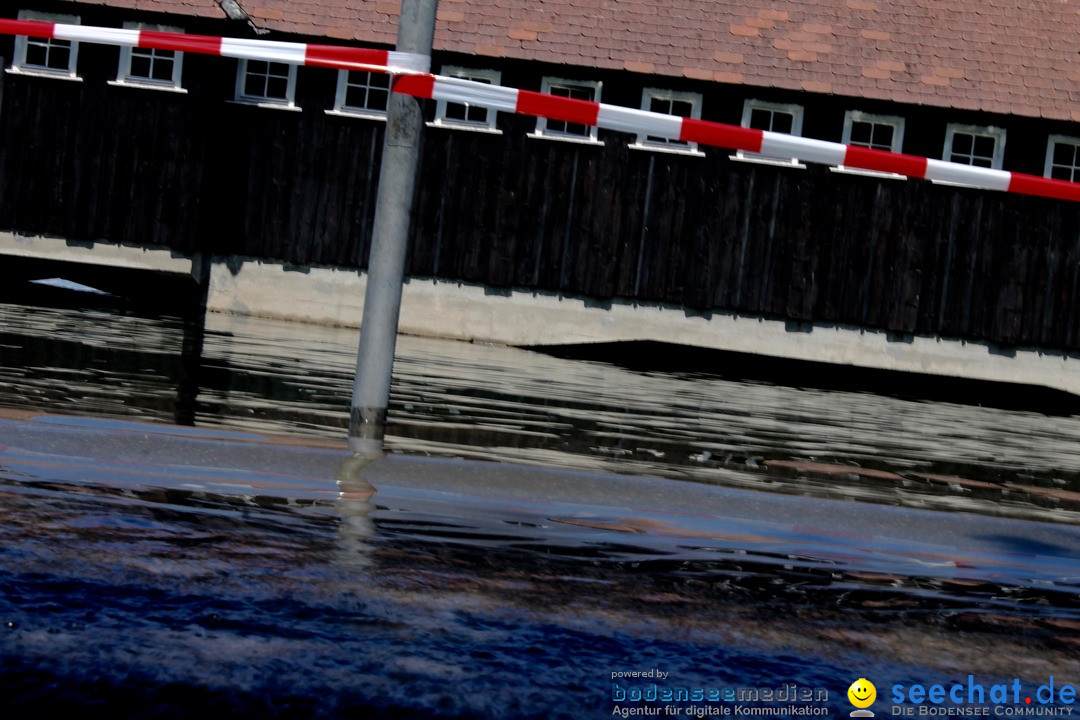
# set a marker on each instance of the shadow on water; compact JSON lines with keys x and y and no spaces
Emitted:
{"x":156,"y":329}
{"x":649,"y":356}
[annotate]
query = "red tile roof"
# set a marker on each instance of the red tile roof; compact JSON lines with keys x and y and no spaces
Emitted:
{"x":199,"y":8}
{"x":1017,"y":57}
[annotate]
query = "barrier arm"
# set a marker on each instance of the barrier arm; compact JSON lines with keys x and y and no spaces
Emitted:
{"x":732,"y":137}
{"x":412,"y":77}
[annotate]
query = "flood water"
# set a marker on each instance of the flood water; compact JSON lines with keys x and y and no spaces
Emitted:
{"x":509,"y":404}
{"x":175,"y":538}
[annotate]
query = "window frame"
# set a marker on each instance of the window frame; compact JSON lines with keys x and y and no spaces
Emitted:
{"x":342,"y":94}
{"x":678,"y":147}
{"x":286,"y":103}
{"x":124,"y":78}
{"x":952,"y":129}
{"x":19,"y":65}
{"x":1051,"y":142}
{"x":897,"y":121}
{"x":543,"y":131}
{"x":493,"y":77}
{"x":797,"y":111}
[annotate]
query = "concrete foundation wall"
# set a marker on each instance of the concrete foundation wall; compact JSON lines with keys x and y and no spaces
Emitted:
{"x":466,"y":312}
{"x":122,"y":256}
{"x":473,"y":313}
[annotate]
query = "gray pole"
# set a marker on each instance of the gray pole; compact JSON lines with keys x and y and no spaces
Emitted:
{"x":390,"y":238}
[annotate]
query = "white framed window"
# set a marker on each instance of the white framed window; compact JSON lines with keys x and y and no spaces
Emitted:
{"x":362,"y":94}
{"x":976,"y":145}
{"x":587,"y":90}
{"x":877,"y":132}
{"x":46,"y":56}
{"x":1063,"y":158}
{"x":773,"y":117}
{"x":669,"y":102}
{"x":148,"y":67}
{"x":266,"y":84}
{"x":464,"y":115}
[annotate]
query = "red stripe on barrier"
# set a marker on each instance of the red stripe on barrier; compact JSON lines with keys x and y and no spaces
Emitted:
{"x":335,"y":55}
{"x":883,"y":161}
{"x":731,"y":137}
{"x":202,"y":44}
{"x":421,"y":86}
{"x":581,"y":112}
{"x":29,"y":28}
{"x":1045,"y":187}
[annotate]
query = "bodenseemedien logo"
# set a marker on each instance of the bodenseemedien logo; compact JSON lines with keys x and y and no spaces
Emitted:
{"x":664,"y":697}
{"x":862,"y":694}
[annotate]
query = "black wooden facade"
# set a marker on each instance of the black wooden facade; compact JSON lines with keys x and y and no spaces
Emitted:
{"x":194,"y":172}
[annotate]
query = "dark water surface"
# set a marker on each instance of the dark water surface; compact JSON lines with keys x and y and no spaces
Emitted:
{"x":508,"y":404}
{"x":730,"y":533}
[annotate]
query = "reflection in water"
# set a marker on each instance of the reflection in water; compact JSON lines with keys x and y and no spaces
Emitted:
{"x":354,"y":505}
{"x":470,"y":590}
{"x":466,"y":589}
{"x":170,"y":570}
{"x":500,"y":403}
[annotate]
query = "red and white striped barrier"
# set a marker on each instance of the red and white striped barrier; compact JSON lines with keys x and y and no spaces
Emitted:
{"x":330,"y":56}
{"x":733,"y":137}
{"x":412,"y":78}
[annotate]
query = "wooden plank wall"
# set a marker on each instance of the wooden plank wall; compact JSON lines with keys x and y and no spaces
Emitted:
{"x":91,"y":162}
{"x":711,"y":233}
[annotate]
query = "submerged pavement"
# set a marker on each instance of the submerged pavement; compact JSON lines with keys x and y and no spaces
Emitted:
{"x":162,"y":570}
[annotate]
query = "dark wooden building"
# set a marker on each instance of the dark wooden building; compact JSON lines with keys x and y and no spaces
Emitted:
{"x":271,"y":161}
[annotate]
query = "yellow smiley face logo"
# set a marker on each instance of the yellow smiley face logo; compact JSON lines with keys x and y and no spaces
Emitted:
{"x":862,"y":693}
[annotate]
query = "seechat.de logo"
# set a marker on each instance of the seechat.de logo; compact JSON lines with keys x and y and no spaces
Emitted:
{"x":862,"y":694}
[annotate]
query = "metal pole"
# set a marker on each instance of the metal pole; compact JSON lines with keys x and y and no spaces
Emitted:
{"x":390,"y":237}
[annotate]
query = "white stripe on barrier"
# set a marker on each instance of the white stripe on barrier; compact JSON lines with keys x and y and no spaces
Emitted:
{"x":109,"y":36}
{"x":806,"y":149}
{"x":268,"y":50}
{"x":943,"y":171}
{"x":460,"y":90}
{"x":409,"y":61}
{"x":631,"y":120}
